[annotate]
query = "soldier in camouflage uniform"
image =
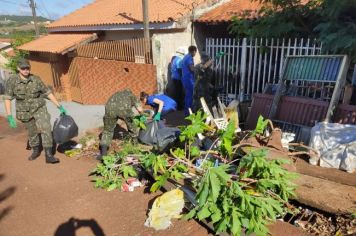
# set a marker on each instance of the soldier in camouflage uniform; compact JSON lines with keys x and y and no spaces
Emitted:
{"x":29,"y":92}
{"x":204,"y":83}
{"x":119,"y":106}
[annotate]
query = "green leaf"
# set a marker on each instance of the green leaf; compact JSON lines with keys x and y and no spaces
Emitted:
{"x":245,"y":222}
{"x":221,"y":172}
{"x":216,"y":216}
{"x":190,"y":214}
{"x":112,"y":187}
{"x":235,"y":224}
{"x":179,"y":153}
{"x":227,"y":138}
{"x":176,"y":175}
{"x":203,"y":194}
{"x":160,"y":181}
{"x":214,"y":186}
{"x":203,"y":213}
{"x":222,"y":225}
{"x":261,"y":125}
{"x":194,"y":151}
{"x":128,"y":171}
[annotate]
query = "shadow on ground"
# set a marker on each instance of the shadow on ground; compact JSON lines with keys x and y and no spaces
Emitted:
{"x":69,"y":227}
{"x":3,"y":196}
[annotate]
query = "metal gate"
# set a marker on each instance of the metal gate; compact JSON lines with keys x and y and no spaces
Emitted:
{"x":247,"y":65}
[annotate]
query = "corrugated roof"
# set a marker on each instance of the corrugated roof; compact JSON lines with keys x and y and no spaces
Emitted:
{"x":57,"y":43}
{"x":226,"y":11}
{"x":113,"y":12}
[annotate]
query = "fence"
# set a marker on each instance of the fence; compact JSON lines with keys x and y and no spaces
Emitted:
{"x":247,"y":65}
{"x":132,"y":50}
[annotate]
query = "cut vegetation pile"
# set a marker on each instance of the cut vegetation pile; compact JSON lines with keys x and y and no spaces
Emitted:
{"x":237,"y":183}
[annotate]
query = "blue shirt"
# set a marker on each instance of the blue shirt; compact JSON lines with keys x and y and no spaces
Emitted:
{"x":186,"y":63}
{"x":176,"y":67}
{"x":169,"y":103}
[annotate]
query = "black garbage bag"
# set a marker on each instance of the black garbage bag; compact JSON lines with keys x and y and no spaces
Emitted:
{"x":166,"y":137}
{"x":149,"y":135}
{"x":64,"y":129}
{"x":158,"y":135}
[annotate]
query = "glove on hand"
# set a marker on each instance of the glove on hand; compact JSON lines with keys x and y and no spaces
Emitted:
{"x":12,"y":121}
{"x":157,"y":117}
{"x":62,"y":110}
{"x":143,"y":118}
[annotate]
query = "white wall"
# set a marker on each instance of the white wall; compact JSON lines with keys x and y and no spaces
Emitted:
{"x":164,"y":47}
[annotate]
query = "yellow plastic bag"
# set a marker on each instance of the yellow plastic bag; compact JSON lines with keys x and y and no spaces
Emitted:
{"x":166,"y":207}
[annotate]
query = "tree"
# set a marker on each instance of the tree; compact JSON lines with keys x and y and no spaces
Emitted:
{"x":19,"y":39}
{"x":332,"y":22}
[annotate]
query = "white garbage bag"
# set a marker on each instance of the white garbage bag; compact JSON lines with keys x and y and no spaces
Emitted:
{"x":335,"y":145}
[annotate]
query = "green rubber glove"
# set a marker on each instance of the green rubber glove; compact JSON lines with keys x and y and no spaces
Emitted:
{"x":157,"y":117}
{"x":62,"y":110}
{"x":143,"y":118}
{"x":220,"y":54}
{"x":12,"y":121}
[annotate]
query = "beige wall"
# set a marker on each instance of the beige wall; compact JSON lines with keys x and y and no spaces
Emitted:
{"x":164,"y":47}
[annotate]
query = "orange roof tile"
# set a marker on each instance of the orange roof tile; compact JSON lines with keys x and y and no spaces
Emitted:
{"x":5,"y":40}
{"x":113,"y":12}
{"x":57,"y":43}
{"x":226,"y":11}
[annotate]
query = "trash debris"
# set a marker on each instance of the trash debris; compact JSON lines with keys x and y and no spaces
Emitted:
{"x":127,"y":188}
{"x":167,"y":206}
{"x":134,"y":182}
{"x":335,"y":145}
{"x":77,"y":146}
{"x":287,"y":138}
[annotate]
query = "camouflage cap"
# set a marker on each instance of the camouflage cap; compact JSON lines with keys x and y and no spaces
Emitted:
{"x":204,"y":58}
{"x":23,"y":63}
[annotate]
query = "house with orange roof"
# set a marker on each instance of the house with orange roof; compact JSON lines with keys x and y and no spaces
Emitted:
{"x":112,"y":30}
{"x":215,"y":23}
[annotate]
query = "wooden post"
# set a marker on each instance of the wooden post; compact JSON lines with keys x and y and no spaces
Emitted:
{"x":340,"y":83}
{"x":33,"y":8}
{"x":277,"y":97}
{"x":146,"y":31}
{"x":243,"y":69}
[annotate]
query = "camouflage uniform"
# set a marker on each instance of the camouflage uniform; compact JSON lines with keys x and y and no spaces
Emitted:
{"x":204,"y":87}
{"x":119,"y":106}
{"x":31,"y":107}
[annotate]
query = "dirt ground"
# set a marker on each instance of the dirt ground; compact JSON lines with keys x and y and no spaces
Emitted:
{"x":41,"y":199}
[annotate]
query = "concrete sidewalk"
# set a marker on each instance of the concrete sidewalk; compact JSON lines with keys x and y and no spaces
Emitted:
{"x":86,"y":116}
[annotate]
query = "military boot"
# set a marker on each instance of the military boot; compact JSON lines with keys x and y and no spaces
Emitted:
{"x":103,"y":152}
{"x":36,"y":152}
{"x":49,"y":156}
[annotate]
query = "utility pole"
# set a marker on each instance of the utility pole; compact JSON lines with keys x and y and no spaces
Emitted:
{"x":146,"y":31}
{"x":33,"y":8}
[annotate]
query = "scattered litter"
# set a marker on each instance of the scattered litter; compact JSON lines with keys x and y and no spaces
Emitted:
{"x":127,"y":188}
{"x":287,"y":138}
{"x":335,"y":145}
{"x":77,"y":146}
{"x":167,"y":206}
{"x":133,"y":182}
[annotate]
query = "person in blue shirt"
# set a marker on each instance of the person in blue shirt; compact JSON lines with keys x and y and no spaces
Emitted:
{"x":176,"y":75}
{"x":162,"y":104}
{"x":188,"y":77}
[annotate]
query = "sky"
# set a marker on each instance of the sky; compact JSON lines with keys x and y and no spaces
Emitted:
{"x":52,"y":9}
